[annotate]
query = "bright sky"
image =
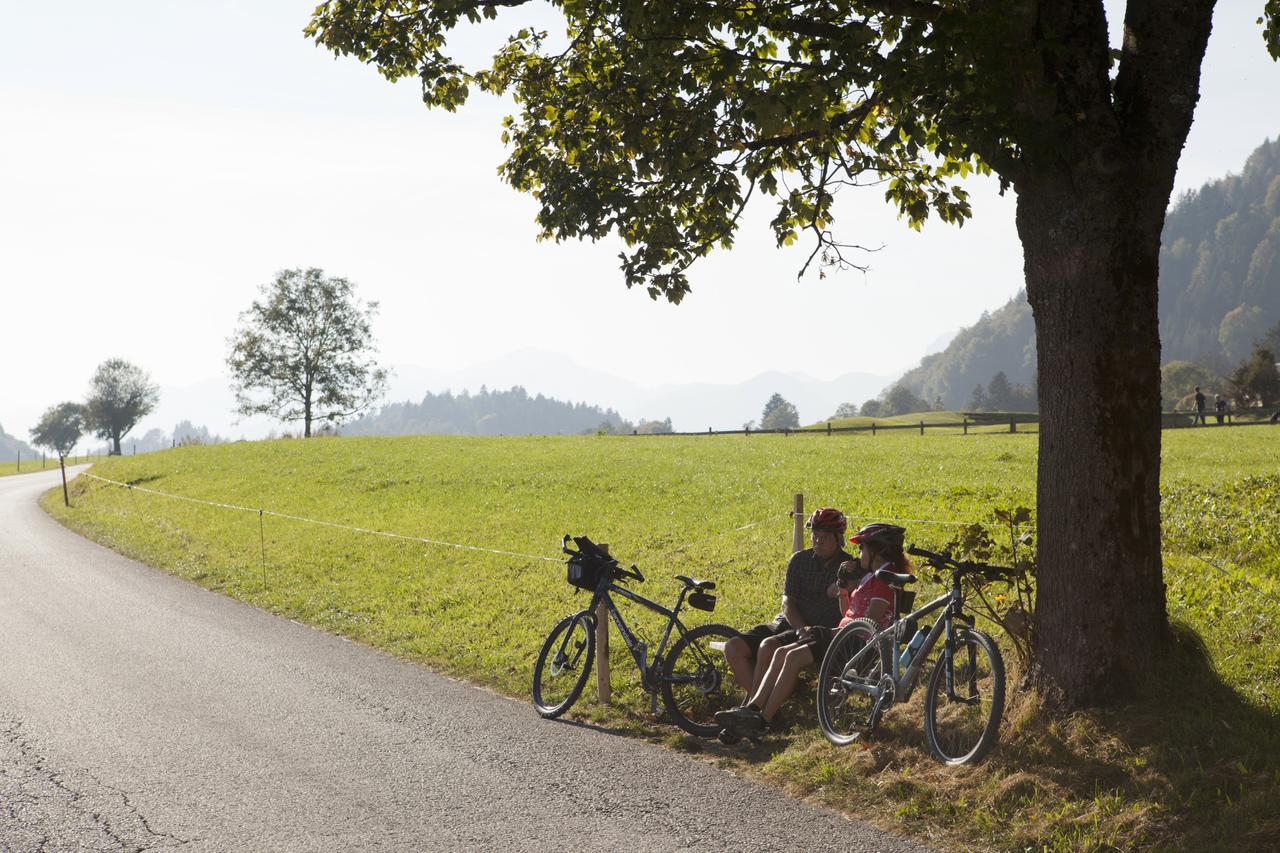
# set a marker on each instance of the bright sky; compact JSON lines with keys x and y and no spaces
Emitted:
{"x":160,"y":160}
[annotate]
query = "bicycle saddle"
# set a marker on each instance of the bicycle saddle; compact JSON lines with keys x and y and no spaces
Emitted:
{"x":696,"y":584}
{"x":895,"y":579}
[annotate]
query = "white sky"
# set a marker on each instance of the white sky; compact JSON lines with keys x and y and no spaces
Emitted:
{"x":160,"y":160}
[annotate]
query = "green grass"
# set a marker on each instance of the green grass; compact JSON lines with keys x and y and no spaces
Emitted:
{"x":899,"y":424}
{"x":31,"y":466}
{"x":1196,"y":765}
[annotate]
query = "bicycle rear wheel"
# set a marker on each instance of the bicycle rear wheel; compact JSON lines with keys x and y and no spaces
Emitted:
{"x":697,"y":680}
{"x":962,"y":723}
{"x":851,"y":667}
{"x":564,"y":664}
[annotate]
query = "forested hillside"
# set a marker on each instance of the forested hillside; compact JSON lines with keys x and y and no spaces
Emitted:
{"x":1220,"y":265}
{"x":511,"y":412}
{"x":1219,"y":290}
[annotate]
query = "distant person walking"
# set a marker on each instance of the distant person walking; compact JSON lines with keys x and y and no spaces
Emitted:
{"x":1200,"y":400}
{"x":1220,"y":409}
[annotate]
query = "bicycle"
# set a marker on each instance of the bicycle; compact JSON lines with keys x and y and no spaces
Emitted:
{"x":865,"y":672}
{"x":693,"y":679}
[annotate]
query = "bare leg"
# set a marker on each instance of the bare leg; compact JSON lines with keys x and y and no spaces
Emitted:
{"x":738,"y":654}
{"x":768,"y":684}
{"x":764,"y":658}
{"x":797,"y":659}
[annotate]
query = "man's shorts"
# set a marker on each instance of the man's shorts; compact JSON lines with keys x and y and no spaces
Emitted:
{"x":818,"y":642}
{"x":755,"y":636}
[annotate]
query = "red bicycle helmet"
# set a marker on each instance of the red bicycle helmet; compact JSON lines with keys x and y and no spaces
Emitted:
{"x":882,"y":534}
{"x":828,"y":518}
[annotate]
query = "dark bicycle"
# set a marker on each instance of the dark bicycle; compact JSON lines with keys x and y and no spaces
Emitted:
{"x":867,"y":670}
{"x":694,"y":679}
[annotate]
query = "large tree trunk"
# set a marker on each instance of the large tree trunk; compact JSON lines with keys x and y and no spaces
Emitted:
{"x":1099,"y":155}
{"x":1091,"y":269}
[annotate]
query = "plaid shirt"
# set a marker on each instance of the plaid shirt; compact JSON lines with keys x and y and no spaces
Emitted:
{"x":808,"y":579}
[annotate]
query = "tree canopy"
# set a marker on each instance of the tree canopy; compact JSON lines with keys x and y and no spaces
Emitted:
{"x":60,"y":428}
{"x":120,"y":395}
{"x":304,"y":351}
{"x":779,"y":413}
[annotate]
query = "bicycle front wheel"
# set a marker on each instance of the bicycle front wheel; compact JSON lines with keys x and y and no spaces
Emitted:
{"x":697,"y":680}
{"x":564,"y":664}
{"x":965,"y":701}
{"x":851,"y":669}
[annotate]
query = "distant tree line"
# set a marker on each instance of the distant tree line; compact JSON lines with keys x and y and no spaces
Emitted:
{"x":511,"y":412}
{"x":1254,"y":381}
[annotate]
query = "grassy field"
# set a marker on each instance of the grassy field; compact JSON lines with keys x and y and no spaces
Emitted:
{"x":30,"y":466}
{"x":1196,"y":765}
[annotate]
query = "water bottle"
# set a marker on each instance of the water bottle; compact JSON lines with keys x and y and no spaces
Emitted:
{"x":914,"y":646}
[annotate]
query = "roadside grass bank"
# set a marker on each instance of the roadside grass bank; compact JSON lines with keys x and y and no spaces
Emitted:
{"x":1194,"y":765}
{"x":31,"y":466}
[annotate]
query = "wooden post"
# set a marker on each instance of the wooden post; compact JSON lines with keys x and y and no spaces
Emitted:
{"x":966,"y":424}
{"x":922,"y":427}
{"x":797,"y":522}
{"x":604,"y":688}
{"x":1013,"y":424}
{"x":828,"y":427}
{"x":873,"y":429}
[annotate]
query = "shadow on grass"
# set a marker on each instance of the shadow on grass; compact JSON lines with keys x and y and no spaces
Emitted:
{"x":1191,"y":765}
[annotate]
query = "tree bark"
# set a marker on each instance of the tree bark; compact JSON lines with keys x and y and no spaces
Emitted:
{"x":62,"y":463}
{"x":1091,"y":208}
{"x":1091,"y":269}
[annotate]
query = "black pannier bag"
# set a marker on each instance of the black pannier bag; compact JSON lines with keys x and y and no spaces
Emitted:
{"x":587,"y":566}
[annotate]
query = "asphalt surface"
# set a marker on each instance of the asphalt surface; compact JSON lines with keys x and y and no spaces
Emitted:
{"x":140,"y":712}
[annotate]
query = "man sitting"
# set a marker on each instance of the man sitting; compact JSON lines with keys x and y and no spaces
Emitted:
{"x":806,"y":600}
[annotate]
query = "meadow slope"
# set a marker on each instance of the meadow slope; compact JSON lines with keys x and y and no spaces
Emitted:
{"x":717,"y":507}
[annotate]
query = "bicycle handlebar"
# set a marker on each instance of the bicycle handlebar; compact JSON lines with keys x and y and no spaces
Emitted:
{"x":587,"y":548}
{"x":959,"y":567}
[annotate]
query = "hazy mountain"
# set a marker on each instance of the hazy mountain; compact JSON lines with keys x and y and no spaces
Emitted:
{"x":10,"y":447}
{"x":1219,"y":289}
{"x":691,"y":406}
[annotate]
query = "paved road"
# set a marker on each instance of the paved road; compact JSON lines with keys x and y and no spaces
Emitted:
{"x":140,"y":712}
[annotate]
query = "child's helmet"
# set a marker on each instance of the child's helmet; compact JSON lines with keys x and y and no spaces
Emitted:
{"x":828,"y":519}
{"x":882,"y":534}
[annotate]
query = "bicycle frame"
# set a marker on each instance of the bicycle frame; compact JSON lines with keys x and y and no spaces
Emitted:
{"x":904,"y":682}
{"x":634,"y":644}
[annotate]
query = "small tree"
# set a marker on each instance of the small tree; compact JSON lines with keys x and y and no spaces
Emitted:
{"x":59,"y":430}
{"x":901,"y":400}
{"x":872,"y":408}
{"x":779,"y":414}
{"x":846,"y":410}
{"x":120,"y":395}
{"x":1000,"y":393}
{"x":978,"y":400}
{"x":304,"y":351}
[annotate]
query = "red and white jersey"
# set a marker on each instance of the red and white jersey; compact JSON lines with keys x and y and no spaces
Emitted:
{"x":856,"y":604}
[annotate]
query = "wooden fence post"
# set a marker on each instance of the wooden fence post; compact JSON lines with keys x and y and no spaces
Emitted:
{"x":604,"y":688}
{"x":1013,"y":424}
{"x":873,"y":429}
{"x":966,"y":424}
{"x":922,"y":427}
{"x":828,"y":427}
{"x":797,"y":522}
